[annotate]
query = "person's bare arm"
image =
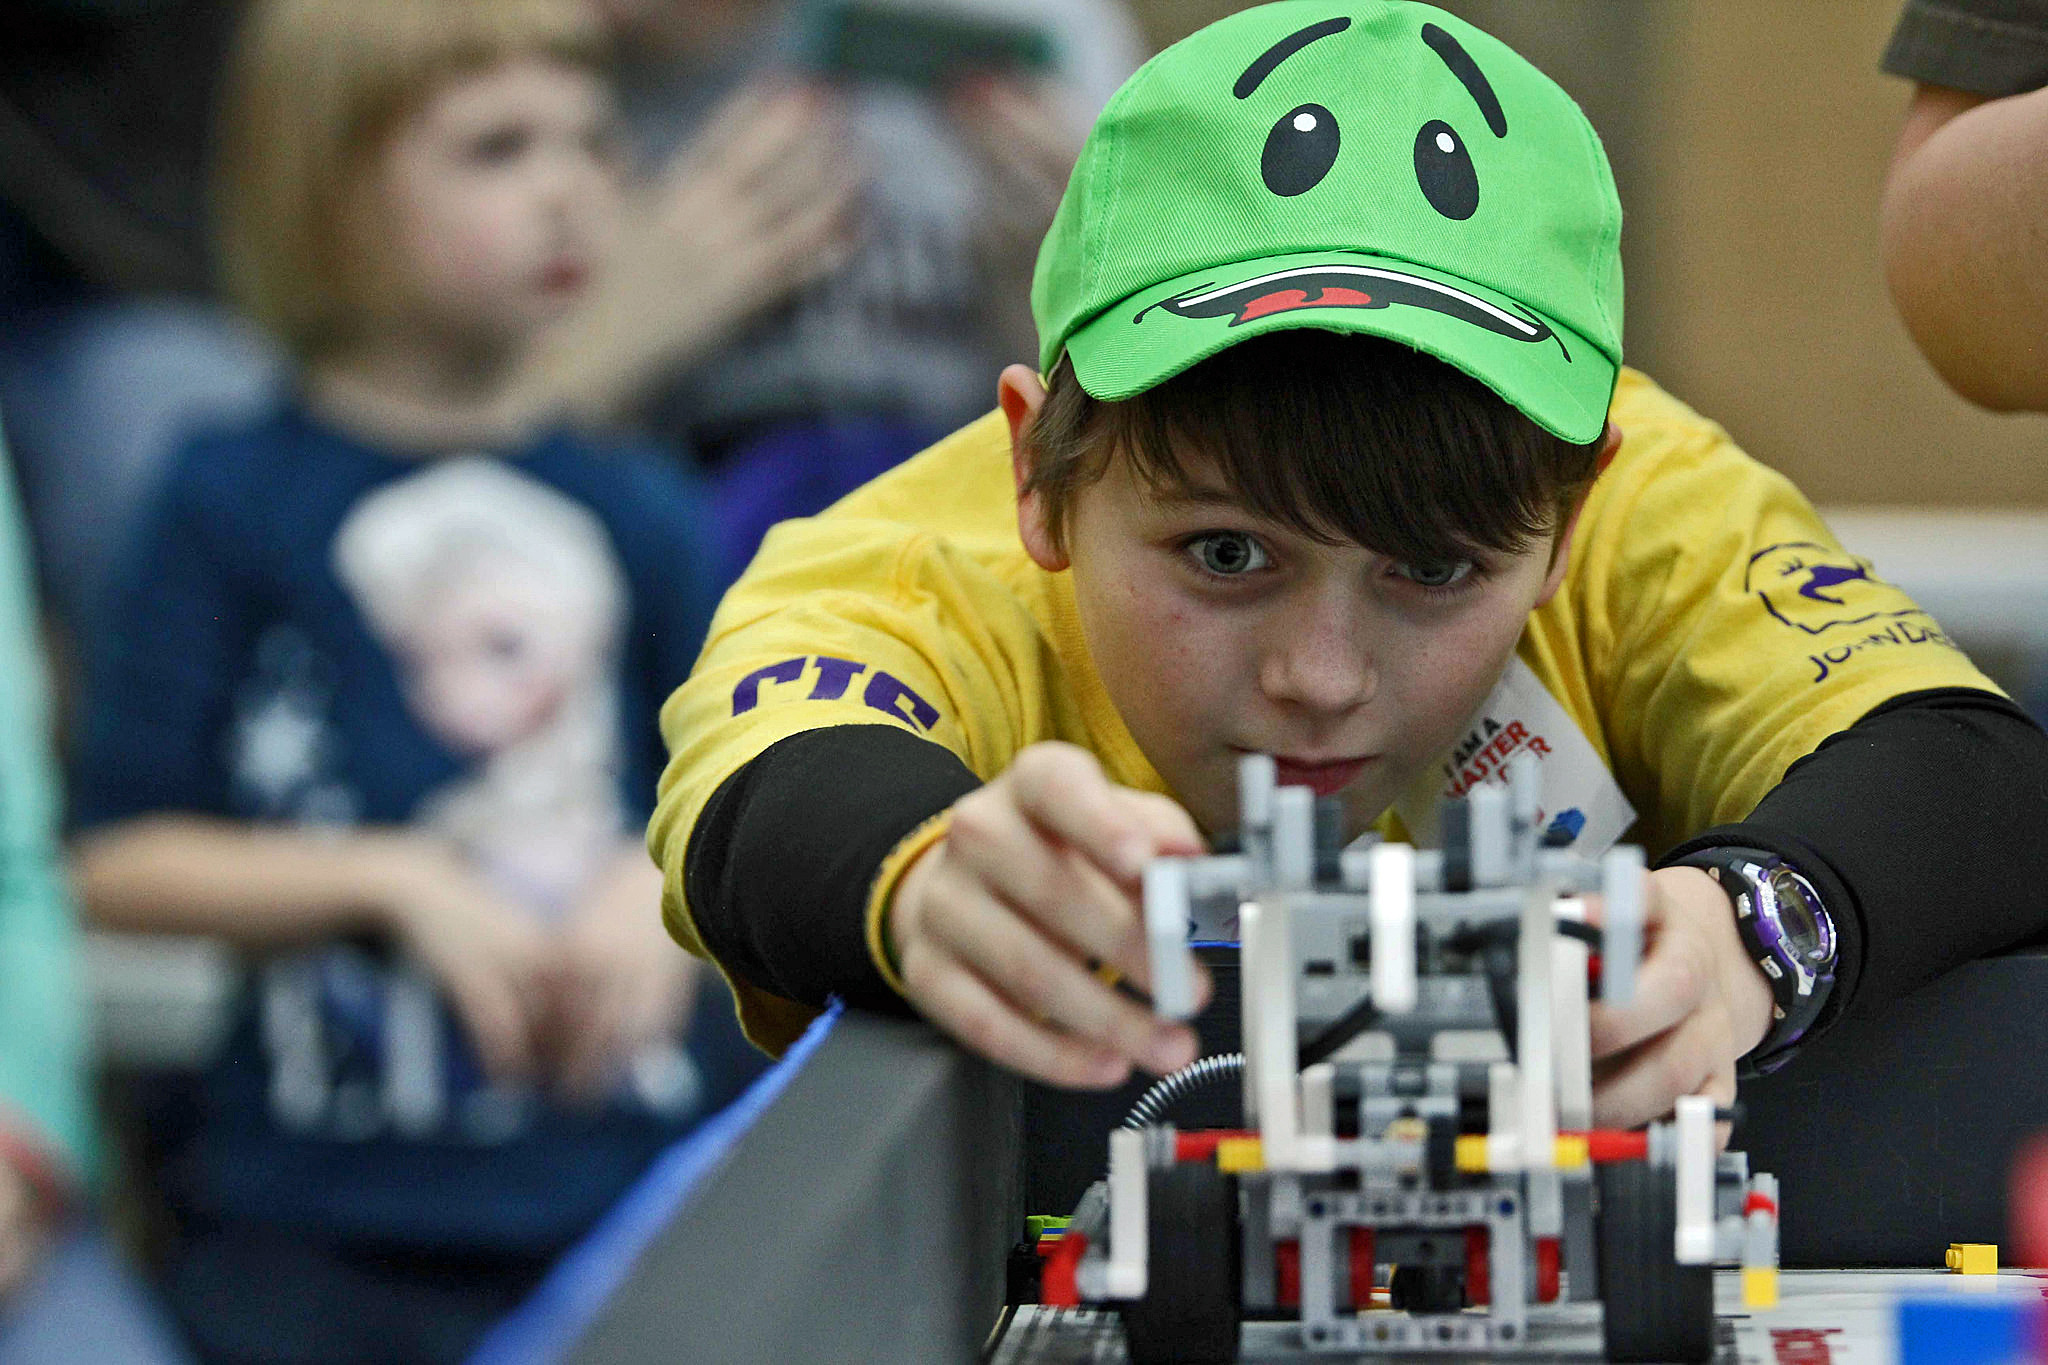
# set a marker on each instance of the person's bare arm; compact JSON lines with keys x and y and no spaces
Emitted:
{"x":1965,"y":239}
{"x":265,"y":888}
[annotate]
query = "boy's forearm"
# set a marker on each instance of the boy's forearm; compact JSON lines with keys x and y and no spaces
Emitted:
{"x":1924,"y":827}
{"x":783,"y":855}
{"x":1964,"y":252}
{"x":245,"y":883}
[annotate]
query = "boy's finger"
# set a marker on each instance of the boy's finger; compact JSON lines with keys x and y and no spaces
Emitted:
{"x":1645,"y":1084}
{"x":1063,"y":790}
{"x":987,"y":1024}
{"x":1172,"y":829}
{"x":1059,"y":889}
{"x":1669,"y":986}
{"x":994,"y":942}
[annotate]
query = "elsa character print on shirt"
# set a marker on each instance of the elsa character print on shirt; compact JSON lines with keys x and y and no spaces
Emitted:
{"x":500,"y":603}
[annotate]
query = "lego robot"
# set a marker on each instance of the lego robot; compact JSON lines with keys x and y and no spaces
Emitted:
{"x":1417,"y":1086}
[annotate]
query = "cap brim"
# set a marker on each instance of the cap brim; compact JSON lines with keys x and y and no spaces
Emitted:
{"x":1543,"y":368}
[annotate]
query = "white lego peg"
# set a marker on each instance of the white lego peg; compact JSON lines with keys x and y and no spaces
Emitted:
{"x":1270,"y":1047}
{"x":1166,"y":942}
{"x":1572,"y":1038}
{"x":1538,"y":1119}
{"x":1393,"y":928}
{"x":1256,"y":775}
{"x":1294,"y":838}
{"x":1694,"y":1241}
{"x":1128,"y":1251}
{"x":1622,"y":878}
{"x":1491,"y":853}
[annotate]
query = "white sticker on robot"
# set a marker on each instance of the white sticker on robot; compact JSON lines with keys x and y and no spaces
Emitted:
{"x":1580,"y":796}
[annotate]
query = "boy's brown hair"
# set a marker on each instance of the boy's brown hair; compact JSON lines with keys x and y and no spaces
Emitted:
{"x":1339,"y":437}
{"x":314,"y":89}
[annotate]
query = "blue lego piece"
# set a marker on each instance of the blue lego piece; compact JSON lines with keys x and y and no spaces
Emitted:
{"x":1951,"y":1331}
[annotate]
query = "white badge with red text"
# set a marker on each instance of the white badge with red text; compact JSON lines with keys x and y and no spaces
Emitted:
{"x":1580,"y":796}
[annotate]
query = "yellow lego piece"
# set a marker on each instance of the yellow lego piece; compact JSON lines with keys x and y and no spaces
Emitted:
{"x":1760,"y":1286}
{"x":1235,"y":1156}
{"x":1571,"y":1153}
{"x":1471,"y":1153}
{"x":1973,"y":1258}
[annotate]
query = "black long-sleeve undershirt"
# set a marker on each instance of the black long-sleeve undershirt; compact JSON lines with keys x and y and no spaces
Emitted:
{"x":1924,"y":826}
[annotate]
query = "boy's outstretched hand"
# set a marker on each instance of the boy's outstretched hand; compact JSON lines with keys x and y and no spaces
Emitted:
{"x":997,"y":928}
{"x":1701,"y":1002}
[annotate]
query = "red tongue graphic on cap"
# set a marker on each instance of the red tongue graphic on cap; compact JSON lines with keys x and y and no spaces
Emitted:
{"x":1287,"y":300}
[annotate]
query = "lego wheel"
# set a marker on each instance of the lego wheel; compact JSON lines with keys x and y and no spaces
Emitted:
{"x":1427,"y":1289}
{"x":1192,"y":1303}
{"x":1655,"y":1308}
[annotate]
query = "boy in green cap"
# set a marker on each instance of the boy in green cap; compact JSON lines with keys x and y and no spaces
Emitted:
{"x":1329,"y":455}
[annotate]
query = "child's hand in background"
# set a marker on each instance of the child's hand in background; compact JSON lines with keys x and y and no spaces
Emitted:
{"x":486,"y":952}
{"x":997,"y":925}
{"x":617,"y":982}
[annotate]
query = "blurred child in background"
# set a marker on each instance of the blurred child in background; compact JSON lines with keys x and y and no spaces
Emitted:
{"x":378,"y":702}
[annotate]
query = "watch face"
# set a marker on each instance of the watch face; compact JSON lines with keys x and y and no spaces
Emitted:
{"x":1808,"y":935}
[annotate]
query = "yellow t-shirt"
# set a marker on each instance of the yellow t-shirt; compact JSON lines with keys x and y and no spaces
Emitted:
{"x":1709,"y":633}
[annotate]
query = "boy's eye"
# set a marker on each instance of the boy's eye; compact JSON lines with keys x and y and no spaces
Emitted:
{"x":1439,"y":574}
{"x":1229,"y":553}
{"x":499,"y":146}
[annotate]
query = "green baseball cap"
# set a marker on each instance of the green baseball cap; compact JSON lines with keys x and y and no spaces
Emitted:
{"x":1378,"y":167}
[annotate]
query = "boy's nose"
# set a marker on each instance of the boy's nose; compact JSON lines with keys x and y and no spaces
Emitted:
{"x":1323,"y":669}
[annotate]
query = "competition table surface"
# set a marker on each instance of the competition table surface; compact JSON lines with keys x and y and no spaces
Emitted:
{"x":1824,"y":1317}
{"x":862,"y":1202}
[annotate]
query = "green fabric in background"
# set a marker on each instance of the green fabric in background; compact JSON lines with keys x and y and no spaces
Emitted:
{"x":42,"y":1004}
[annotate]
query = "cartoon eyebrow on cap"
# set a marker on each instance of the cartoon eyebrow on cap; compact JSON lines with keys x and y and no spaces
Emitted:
{"x":1255,"y":74}
{"x":1468,"y":73}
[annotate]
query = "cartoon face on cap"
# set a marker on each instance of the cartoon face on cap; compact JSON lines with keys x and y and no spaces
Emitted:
{"x":1303,"y":150}
{"x":1377,"y":167}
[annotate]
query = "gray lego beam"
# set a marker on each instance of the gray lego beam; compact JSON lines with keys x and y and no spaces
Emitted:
{"x":866,"y":1216}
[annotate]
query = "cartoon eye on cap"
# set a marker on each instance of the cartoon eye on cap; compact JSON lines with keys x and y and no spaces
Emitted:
{"x":1300,"y":151}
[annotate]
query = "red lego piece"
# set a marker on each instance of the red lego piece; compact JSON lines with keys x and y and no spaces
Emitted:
{"x":1478,"y":1269}
{"x":1361,"y":1268}
{"x":1287,"y":1272}
{"x":1056,"y":1287}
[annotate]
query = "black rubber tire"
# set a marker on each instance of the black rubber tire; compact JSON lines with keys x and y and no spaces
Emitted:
{"x":1654,"y":1308}
{"x":1427,"y":1289}
{"x":1193,"y":1300}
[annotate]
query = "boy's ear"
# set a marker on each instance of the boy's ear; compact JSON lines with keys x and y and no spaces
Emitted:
{"x":1021,"y":394}
{"x":1561,"y":555}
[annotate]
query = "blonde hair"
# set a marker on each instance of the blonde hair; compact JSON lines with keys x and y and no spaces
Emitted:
{"x":314,"y":89}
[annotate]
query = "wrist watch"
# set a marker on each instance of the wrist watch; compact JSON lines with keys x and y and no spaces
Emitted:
{"x":1789,"y":934}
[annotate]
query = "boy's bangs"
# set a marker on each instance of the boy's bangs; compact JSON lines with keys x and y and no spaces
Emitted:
{"x":1345,"y":438}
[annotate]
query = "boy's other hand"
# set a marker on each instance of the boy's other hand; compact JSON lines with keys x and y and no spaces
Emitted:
{"x":485,"y":951}
{"x":619,"y":981}
{"x":998,"y":927}
{"x":1701,"y":1002}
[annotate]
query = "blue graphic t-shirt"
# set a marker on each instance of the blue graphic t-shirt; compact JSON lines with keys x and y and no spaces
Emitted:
{"x":318,"y":633}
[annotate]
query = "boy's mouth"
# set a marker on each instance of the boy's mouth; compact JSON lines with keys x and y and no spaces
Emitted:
{"x":1324,"y":777}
